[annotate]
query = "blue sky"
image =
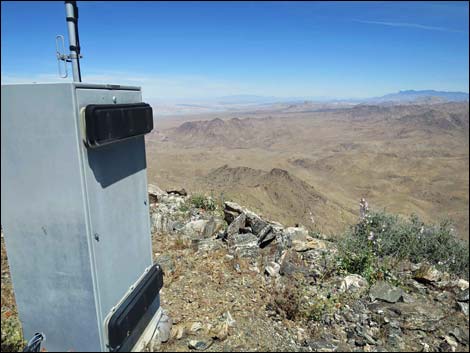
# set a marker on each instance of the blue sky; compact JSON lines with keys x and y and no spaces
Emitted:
{"x":286,"y":49}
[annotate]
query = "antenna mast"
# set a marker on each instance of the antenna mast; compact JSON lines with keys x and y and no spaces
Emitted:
{"x":71,"y":12}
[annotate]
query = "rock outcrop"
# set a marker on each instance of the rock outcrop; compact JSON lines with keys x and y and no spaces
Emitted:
{"x":288,"y":279}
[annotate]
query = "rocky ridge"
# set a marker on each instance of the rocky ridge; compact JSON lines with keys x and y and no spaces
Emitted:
{"x":236,"y":281}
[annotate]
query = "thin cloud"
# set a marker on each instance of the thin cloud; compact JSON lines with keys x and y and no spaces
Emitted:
{"x":411,"y":25}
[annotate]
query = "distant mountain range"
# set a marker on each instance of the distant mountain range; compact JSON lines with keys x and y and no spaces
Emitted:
{"x":401,"y":96}
{"x":249,"y":101}
{"x":412,"y":95}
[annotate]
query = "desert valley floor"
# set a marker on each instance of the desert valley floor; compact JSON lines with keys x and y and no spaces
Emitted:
{"x":302,"y":164}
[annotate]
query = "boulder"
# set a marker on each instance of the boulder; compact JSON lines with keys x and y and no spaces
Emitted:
{"x":386,"y":292}
{"x":164,"y":327}
{"x":155,"y":193}
{"x":180,"y":192}
{"x":300,"y":240}
{"x":297,"y":237}
{"x":229,"y":216}
{"x":353,"y":283}
{"x":235,"y":226}
{"x":291,"y":262}
{"x":462,"y":284}
{"x":233,"y":207}
{"x":421,"y":315}
{"x":266,"y":236}
{"x":313,"y":244}
{"x":427,"y":274}
{"x":244,"y":244}
{"x":240,"y":239}
{"x":255,"y":222}
{"x":322,"y":345}
{"x":297,"y":233}
{"x":209,"y":245}
{"x":195,"y":229}
{"x":463,"y":296}
{"x":212,"y":227}
{"x":200,"y":345}
{"x":463,"y":307}
{"x":160,"y":223}
{"x":460,"y":335}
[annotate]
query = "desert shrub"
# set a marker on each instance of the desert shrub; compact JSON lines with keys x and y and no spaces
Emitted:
{"x":288,"y":302}
{"x":298,"y":300}
{"x":320,"y":307}
{"x":12,"y":338}
{"x":184,"y":207}
{"x":367,"y":248}
{"x":201,"y":201}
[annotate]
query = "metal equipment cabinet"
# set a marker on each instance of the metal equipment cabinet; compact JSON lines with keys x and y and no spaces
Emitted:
{"x":75,"y":218}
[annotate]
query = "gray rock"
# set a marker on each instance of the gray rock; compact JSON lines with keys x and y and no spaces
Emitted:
{"x":160,"y":223}
{"x":235,"y":226}
{"x":155,"y":193}
{"x":353,"y":283}
{"x":297,"y":233}
{"x":463,"y":296}
{"x":461,"y":284}
{"x":463,"y":307}
{"x":242,"y":239}
{"x":460,"y":335}
{"x":233,"y":207}
{"x":452,"y":342}
{"x":180,"y":192}
{"x":272,"y":269}
{"x":200,"y":345}
{"x":166,"y":263}
{"x":386,"y":292}
{"x":212,"y":227}
{"x":176,"y":226}
{"x":268,"y":239}
{"x":266,"y":236}
{"x":312,"y":244}
{"x":229,"y":216}
{"x":209,"y":245}
{"x":195,"y":229}
{"x":244,"y":245}
{"x":408,"y":298}
{"x":196,"y":326}
{"x":247,"y":251}
{"x":282,"y":242}
{"x":365,"y":333}
{"x":301,"y":241}
{"x":322,"y":346}
{"x":421,"y":315}
{"x":427,"y":274}
{"x":255,"y":222}
{"x":164,"y":327}
{"x":291,"y":263}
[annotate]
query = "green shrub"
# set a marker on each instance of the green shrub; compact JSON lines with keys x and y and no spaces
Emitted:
{"x":12,"y":338}
{"x":369,"y":247}
{"x":201,"y":201}
{"x":184,"y":207}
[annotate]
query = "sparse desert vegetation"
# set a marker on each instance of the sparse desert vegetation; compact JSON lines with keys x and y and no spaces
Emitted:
{"x":308,"y":164}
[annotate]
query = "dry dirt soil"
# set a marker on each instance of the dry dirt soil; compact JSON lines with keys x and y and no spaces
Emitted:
{"x":297,"y":164}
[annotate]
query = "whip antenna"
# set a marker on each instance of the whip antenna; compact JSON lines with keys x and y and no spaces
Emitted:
{"x":71,"y":13}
